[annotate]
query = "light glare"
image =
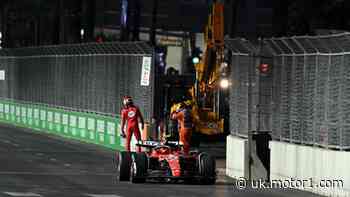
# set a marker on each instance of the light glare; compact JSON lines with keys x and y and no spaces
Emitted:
{"x":224,"y":83}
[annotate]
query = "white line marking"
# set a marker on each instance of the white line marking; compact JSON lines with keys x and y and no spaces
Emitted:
{"x":103,"y":195}
{"x":27,"y":194}
{"x":221,"y":171}
{"x":222,"y":181}
{"x":9,"y":142}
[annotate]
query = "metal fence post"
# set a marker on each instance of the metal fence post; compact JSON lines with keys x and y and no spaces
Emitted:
{"x":250,"y":131}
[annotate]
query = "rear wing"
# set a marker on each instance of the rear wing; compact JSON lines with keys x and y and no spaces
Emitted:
{"x":153,"y":144}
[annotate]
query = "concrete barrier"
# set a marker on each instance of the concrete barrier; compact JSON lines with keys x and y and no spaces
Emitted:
{"x":316,"y":166}
{"x":237,"y":160}
{"x":236,"y":157}
{"x":88,"y":127}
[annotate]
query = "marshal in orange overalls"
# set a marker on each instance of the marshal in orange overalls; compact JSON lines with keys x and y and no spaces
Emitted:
{"x":184,"y":118}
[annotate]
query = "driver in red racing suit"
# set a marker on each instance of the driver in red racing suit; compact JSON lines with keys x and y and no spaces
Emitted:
{"x":130,"y":114}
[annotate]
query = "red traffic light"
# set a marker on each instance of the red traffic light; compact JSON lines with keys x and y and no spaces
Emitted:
{"x":264,"y":68}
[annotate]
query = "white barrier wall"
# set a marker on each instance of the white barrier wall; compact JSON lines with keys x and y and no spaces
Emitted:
{"x":237,"y":160}
{"x":236,"y":157}
{"x":310,"y":163}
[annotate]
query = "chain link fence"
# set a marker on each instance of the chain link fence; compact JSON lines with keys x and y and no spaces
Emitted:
{"x":306,"y":97}
{"x":250,"y":95}
{"x":90,"y":77}
{"x":311,"y":94}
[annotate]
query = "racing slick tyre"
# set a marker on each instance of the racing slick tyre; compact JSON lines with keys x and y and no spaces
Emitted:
{"x":124,"y":163}
{"x":207,"y":167}
{"x":139,"y":167}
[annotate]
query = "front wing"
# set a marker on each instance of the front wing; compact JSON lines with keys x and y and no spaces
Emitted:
{"x":160,"y":174}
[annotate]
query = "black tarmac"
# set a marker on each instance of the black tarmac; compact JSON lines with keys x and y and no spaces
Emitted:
{"x":39,"y":165}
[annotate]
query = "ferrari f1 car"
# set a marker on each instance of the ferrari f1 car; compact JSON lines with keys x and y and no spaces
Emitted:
{"x":164,"y":161}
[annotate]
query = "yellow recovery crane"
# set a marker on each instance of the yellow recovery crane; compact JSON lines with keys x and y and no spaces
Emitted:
{"x":210,"y":77}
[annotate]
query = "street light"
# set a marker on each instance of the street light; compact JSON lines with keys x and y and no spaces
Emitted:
{"x":195,"y":60}
{"x":82,"y":32}
{"x":224,"y":83}
{"x":224,"y":71}
{"x":196,"y":55}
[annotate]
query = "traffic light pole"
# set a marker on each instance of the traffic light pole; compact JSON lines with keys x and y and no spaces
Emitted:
{"x":252,"y":72}
{"x":258,"y":107}
{"x":250,"y":135}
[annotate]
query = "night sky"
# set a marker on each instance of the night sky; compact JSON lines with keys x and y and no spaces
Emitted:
{"x":41,"y":22}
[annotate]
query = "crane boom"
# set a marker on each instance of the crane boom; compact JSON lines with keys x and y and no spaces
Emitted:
{"x":205,"y":92}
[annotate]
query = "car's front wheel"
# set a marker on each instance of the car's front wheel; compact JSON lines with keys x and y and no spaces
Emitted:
{"x":207,"y":168}
{"x":139,"y":167}
{"x":124,"y":162}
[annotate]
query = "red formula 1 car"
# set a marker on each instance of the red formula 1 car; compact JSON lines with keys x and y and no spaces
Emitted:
{"x":165,"y":161}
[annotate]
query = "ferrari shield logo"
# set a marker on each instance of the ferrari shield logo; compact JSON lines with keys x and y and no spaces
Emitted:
{"x":131,"y":114}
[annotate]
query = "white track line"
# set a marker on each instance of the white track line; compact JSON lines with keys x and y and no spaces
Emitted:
{"x":103,"y":195}
{"x":24,"y":194}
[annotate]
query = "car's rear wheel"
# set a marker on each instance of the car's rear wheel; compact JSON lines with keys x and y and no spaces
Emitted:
{"x":206,"y":168}
{"x":124,"y":163}
{"x":139,"y":167}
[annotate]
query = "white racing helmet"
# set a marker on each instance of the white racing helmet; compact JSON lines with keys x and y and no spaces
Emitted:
{"x":127,"y":100}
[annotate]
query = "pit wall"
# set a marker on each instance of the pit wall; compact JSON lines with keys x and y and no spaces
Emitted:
{"x":83,"y":126}
{"x":306,"y":162}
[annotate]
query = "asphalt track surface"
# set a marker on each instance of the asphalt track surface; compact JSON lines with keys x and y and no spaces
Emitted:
{"x":40,"y":165}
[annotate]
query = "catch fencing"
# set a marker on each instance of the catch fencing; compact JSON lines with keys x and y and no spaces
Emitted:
{"x":306,"y":97}
{"x":311,"y":90}
{"x":72,"y":90}
{"x":92,"y":77}
{"x":250,"y":95}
